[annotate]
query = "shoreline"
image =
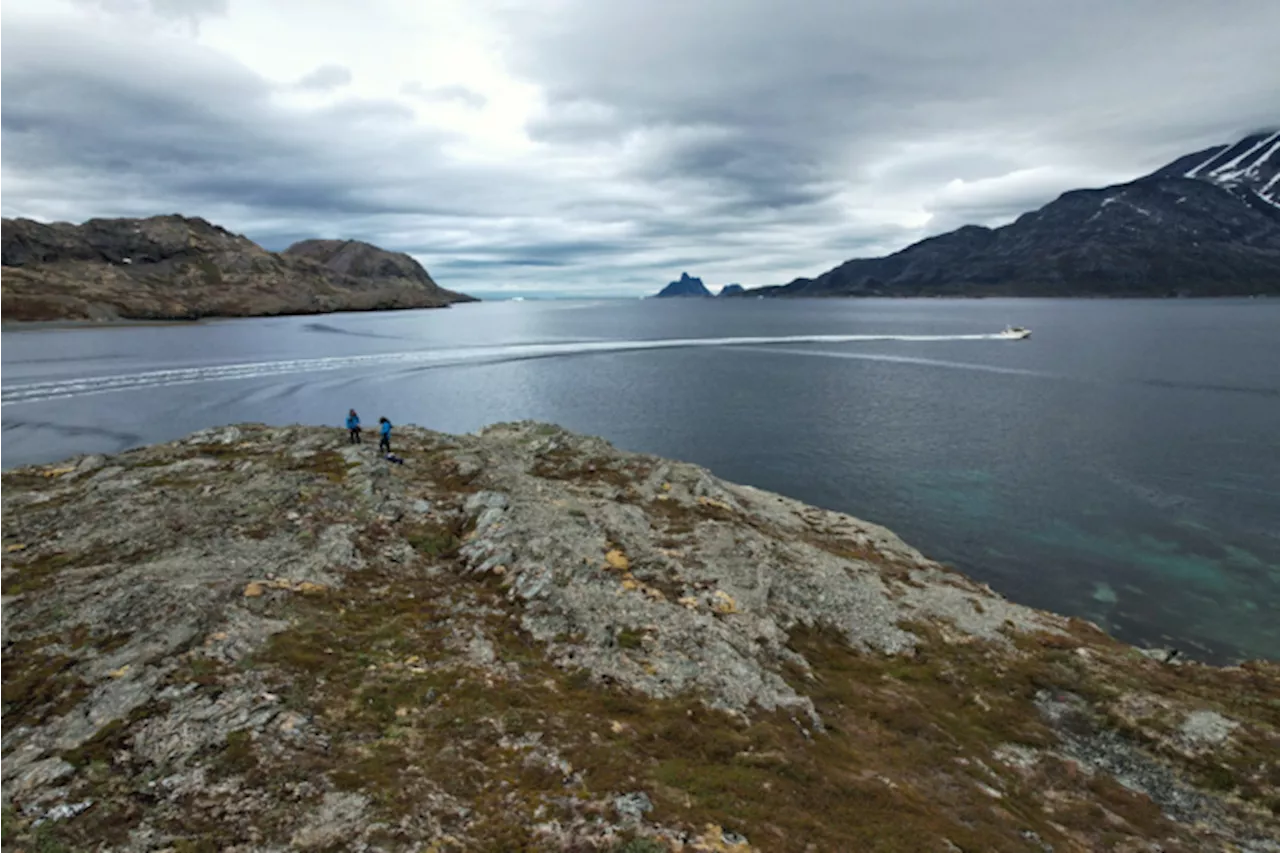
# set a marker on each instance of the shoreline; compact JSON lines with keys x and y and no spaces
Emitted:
{"x":126,"y":322}
{"x":116,"y":323}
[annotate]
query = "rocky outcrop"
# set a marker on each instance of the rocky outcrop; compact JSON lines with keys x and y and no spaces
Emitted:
{"x":731,"y":290}
{"x":266,"y":638}
{"x":174,"y":267}
{"x":366,"y":261}
{"x":686,"y":285}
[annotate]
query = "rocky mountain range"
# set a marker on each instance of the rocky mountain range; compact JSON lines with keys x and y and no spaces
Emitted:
{"x":1207,"y":224}
{"x":265,"y":638}
{"x":181,"y":268}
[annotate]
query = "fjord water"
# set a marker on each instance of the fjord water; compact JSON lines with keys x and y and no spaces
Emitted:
{"x":1122,"y":465}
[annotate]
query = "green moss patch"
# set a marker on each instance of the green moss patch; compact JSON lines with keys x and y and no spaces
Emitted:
{"x":237,"y":756}
{"x":39,"y":686}
{"x":567,"y":465}
{"x":39,"y":572}
{"x":329,"y":464}
{"x":111,"y":738}
{"x":630,"y":638}
{"x":409,"y":718}
{"x":240,"y":450}
{"x":36,"y":573}
{"x":435,"y":539}
{"x":10,"y":824}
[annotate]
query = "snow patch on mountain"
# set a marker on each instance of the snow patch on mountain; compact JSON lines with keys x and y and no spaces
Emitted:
{"x":1121,"y":200}
{"x":1196,"y":169}
{"x":1222,"y":173}
{"x":1272,"y":186}
{"x":1249,"y":168}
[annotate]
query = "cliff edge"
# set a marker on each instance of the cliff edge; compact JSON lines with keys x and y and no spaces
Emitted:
{"x":265,"y":638}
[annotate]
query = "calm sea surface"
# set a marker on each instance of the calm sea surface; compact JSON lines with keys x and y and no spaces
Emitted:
{"x":1122,"y":465}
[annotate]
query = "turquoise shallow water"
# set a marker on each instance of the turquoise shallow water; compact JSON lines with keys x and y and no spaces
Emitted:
{"x":1210,"y":589}
{"x":1122,"y":465}
{"x":1195,"y":588}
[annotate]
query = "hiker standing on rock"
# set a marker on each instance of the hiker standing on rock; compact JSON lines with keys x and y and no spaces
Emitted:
{"x":353,"y":426}
{"x":384,"y":443}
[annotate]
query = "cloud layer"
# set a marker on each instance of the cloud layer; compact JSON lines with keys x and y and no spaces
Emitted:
{"x":601,"y":148}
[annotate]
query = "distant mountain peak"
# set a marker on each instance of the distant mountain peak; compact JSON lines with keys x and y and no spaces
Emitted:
{"x":365,"y":260}
{"x":1249,"y":169}
{"x":687,"y":285}
{"x":356,"y":257}
{"x":1207,"y":224}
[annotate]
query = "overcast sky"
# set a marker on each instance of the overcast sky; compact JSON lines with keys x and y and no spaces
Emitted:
{"x":603,"y":146}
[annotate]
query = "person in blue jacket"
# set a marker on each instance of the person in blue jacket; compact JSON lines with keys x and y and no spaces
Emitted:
{"x":384,"y":443}
{"x":353,"y":426}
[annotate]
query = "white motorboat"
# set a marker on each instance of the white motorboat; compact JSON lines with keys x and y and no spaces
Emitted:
{"x":1014,"y":333}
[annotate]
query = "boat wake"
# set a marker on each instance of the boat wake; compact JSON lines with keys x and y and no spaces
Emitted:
{"x":38,"y":392}
{"x":907,"y":359}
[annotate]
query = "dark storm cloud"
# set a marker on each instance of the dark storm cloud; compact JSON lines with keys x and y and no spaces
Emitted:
{"x":80,"y":109}
{"x":550,"y":254}
{"x":578,"y":120}
{"x":91,"y":130}
{"x":744,"y":140}
{"x":827,"y":90}
{"x":326,"y":77}
{"x":742,"y":171}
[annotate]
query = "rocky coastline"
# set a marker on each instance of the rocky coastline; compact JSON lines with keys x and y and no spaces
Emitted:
{"x":176,"y":268}
{"x":265,"y":638}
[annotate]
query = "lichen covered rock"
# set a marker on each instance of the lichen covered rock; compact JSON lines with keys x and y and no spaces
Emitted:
{"x":263,"y":638}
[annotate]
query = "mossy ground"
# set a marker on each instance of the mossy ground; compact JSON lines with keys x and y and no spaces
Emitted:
{"x":904,"y":761}
{"x":42,"y":568}
{"x":564,"y":464}
{"x":40,"y":686}
{"x":445,"y":743}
